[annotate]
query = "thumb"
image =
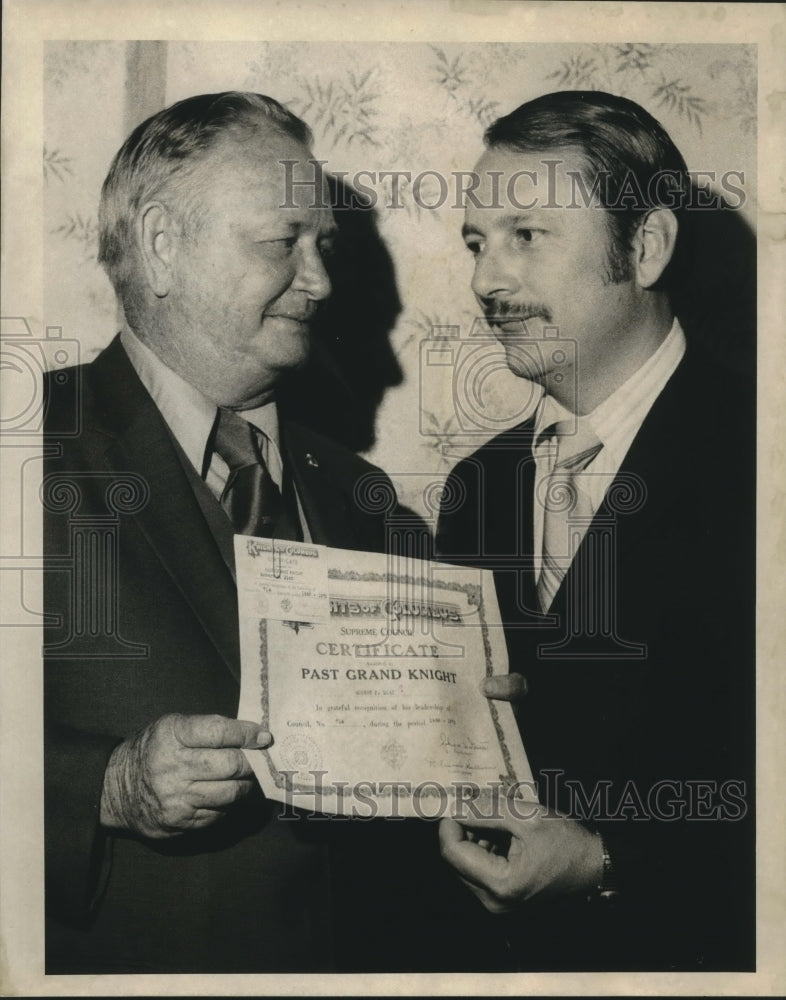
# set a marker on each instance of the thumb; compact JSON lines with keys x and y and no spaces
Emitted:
{"x":471,"y":861}
{"x":254,"y":736}
{"x":505,"y":687}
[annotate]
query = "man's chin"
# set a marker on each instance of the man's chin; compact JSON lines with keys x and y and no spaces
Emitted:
{"x":525,"y":360}
{"x":287,"y":341}
{"x":254,"y":392}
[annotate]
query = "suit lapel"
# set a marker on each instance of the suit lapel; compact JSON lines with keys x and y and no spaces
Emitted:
{"x":526,"y":488}
{"x":520,"y":443}
{"x":495,"y":523}
{"x":171,"y":521}
{"x":659,"y":459}
{"x":324,"y":503}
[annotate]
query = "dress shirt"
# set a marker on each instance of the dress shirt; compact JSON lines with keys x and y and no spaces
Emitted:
{"x":615,"y":422}
{"x":190,"y":417}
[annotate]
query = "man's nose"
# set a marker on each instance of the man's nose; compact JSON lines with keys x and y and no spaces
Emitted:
{"x":495,"y":274}
{"x":312,"y":277}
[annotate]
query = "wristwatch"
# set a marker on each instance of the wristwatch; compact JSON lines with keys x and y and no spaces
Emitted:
{"x":608,"y":887}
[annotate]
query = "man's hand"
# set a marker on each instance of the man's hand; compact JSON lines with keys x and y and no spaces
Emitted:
{"x":181,"y":772}
{"x":505,"y":687}
{"x":547,"y":855}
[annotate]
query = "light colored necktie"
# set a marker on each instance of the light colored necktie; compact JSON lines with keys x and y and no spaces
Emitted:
{"x":565,"y":505}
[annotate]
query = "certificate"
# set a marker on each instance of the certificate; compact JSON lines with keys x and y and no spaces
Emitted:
{"x":367,"y":670}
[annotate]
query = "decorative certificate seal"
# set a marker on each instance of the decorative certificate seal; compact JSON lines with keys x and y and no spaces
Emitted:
{"x":393,"y":753}
{"x":300,"y":753}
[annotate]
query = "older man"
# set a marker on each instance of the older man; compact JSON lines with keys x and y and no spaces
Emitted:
{"x":619,"y":519}
{"x":162,"y":854}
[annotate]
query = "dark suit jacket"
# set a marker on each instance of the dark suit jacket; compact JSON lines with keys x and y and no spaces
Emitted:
{"x":143,"y":621}
{"x":675,"y":537}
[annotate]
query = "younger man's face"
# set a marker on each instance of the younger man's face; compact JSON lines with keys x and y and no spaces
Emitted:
{"x":545,"y":266}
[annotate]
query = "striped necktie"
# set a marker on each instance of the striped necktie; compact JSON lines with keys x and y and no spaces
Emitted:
{"x":251,"y":499}
{"x":565,"y":504}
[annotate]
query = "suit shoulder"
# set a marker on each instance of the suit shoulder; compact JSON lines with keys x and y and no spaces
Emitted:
{"x":714,"y":380}
{"x":67,"y":398}
{"x":723,"y":405}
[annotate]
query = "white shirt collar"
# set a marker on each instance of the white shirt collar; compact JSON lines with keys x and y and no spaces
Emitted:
{"x":616,"y":420}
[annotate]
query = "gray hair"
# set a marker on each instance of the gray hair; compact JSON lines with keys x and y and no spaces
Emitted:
{"x":163,"y":151}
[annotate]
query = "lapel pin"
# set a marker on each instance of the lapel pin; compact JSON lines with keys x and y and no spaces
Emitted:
{"x":312,"y":461}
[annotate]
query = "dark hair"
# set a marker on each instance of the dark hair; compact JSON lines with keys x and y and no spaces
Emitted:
{"x":162,"y":151}
{"x":627,"y":154}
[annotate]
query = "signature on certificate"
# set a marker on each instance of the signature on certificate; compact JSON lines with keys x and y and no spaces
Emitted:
{"x":462,"y":745}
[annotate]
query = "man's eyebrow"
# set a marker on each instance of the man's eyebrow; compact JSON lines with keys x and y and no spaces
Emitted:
{"x":521,"y":218}
{"x":275,"y":224}
{"x":510,"y":219}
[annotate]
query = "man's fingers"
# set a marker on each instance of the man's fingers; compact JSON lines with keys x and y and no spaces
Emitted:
{"x":503,"y":815}
{"x":178,"y":774}
{"x":223,"y":764}
{"x":218,"y":794}
{"x":451,"y":833}
{"x":505,"y":687}
{"x":472,"y":862}
{"x":219,"y":731}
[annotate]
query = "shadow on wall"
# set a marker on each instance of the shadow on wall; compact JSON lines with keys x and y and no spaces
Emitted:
{"x":352,"y":362}
{"x":715,"y":285}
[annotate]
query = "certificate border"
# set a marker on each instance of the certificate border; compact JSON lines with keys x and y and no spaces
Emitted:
{"x":474,"y":596}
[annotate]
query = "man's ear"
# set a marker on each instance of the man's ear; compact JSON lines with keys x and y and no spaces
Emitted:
{"x":156,"y":235}
{"x":654,"y":245}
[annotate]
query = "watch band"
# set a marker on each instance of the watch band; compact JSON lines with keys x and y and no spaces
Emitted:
{"x":608,"y":887}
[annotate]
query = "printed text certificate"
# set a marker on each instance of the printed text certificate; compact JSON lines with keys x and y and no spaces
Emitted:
{"x":367,"y":670}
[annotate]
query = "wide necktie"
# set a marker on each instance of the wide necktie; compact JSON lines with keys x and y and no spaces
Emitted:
{"x":566,"y":506}
{"x":251,"y":499}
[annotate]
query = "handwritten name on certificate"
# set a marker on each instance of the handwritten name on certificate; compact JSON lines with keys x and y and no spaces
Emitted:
{"x":367,"y":670}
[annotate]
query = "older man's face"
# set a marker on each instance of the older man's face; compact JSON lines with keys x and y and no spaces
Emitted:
{"x":248,"y":272}
{"x":547,"y":267}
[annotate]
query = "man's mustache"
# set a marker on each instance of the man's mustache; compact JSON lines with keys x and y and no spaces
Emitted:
{"x":500,"y":310}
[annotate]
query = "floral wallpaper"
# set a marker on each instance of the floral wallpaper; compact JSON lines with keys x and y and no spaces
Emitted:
{"x":394,"y":118}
